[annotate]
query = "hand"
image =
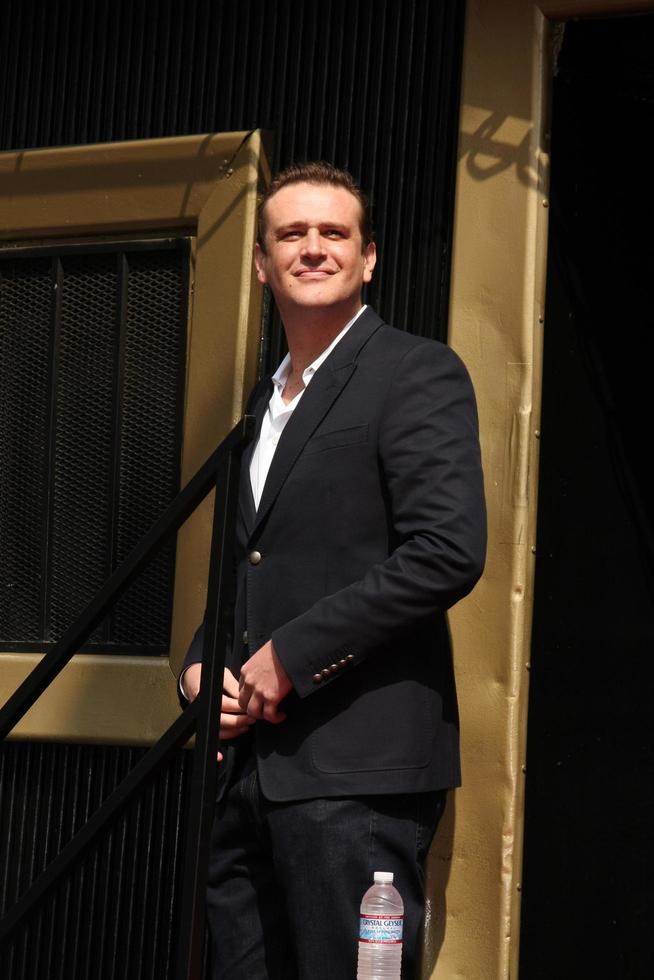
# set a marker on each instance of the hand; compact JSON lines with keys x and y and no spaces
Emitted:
{"x":233,"y":720}
{"x":263,"y":684}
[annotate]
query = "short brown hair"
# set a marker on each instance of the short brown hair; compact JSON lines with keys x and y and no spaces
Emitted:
{"x":316,"y":172}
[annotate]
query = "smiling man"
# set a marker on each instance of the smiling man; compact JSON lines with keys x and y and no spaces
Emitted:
{"x":361,"y":522}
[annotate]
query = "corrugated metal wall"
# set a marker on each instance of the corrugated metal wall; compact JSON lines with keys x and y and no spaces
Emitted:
{"x":114,"y":917}
{"x":369,"y":84}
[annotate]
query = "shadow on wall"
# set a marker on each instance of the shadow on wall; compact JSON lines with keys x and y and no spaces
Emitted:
{"x":487,"y":155}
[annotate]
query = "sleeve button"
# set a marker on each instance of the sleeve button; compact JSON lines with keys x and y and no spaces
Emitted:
{"x":317,"y":678}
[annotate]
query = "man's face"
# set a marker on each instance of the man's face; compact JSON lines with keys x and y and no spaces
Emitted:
{"x":314,"y":257}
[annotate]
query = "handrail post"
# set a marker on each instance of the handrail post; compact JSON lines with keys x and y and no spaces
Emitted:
{"x":204,"y":777}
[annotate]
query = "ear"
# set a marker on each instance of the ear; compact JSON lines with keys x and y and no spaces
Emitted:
{"x":260,"y":258}
{"x":369,"y":261}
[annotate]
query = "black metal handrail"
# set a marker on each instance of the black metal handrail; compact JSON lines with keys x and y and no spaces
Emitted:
{"x":221,"y":471}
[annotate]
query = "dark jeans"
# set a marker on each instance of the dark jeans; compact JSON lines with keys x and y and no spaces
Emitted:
{"x":286,"y":879}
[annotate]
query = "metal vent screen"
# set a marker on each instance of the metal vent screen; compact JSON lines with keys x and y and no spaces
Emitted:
{"x":92,"y":363}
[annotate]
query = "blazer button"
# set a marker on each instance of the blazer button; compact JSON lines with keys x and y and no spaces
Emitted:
{"x":349,"y":658}
{"x":317,"y":678}
{"x":342,"y":663}
{"x":326,"y":672}
{"x":254,"y":557}
{"x":333,"y":668}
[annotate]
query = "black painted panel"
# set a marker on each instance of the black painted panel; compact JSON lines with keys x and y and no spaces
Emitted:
{"x":588,"y":893}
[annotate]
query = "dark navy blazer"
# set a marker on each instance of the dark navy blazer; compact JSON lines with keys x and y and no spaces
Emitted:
{"x":370,"y":526}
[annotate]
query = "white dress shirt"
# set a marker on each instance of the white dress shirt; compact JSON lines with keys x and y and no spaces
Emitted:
{"x":278,"y":414}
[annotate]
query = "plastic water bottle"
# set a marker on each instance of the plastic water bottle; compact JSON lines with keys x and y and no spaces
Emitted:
{"x":380,"y":930}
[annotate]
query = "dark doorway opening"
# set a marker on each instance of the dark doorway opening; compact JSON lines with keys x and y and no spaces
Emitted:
{"x":588,"y":870}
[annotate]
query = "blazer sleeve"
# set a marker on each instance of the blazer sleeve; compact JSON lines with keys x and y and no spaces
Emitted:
{"x":431,"y":463}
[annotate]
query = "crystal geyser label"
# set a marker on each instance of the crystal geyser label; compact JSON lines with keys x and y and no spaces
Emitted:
{"x":380,"y":928}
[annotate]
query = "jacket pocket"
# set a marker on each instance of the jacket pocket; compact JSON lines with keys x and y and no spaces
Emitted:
{"x":337,"y":439}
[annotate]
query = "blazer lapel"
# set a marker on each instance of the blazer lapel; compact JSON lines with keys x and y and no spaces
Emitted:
{"x":245,"y":496}
{"x":322,"y":392}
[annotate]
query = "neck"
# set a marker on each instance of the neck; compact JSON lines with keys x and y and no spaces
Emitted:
{"x":309,"y":333}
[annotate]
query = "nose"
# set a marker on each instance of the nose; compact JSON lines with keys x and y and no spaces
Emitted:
{"x":313,"y":246}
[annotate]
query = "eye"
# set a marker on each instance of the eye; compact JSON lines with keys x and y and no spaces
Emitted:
{"x":334,"y":233}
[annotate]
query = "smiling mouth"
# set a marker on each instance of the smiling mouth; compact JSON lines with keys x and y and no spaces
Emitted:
{"x":313,"y":273}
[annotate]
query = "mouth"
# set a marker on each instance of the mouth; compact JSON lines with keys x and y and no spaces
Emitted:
{"x":313,"y":273}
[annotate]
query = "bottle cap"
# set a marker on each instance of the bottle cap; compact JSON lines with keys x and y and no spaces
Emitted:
{"x":383,"y":877}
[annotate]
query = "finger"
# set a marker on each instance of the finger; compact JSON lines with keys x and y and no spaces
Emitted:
{"x":232,"y":718}
{"x":271,"y":714}
{"x":244,"y":697}
{"x":238,"y":724}
{"x":230,"y":684}
{"x":230,"y":706}
{"x":255,"y":706}
{"x":228,"y":733}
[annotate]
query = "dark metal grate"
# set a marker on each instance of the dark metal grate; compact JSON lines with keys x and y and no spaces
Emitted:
{"x":79,"y":551}
{"x":93,"y":926}
{"x":25,"y":364}
{"x":151,"y":417}
{"x":92,"y":353}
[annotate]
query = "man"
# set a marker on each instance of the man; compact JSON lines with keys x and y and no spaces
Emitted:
{"x":361,"y":522}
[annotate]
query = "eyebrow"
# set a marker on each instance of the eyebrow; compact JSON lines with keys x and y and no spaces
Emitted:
{"x":300,"y":225}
